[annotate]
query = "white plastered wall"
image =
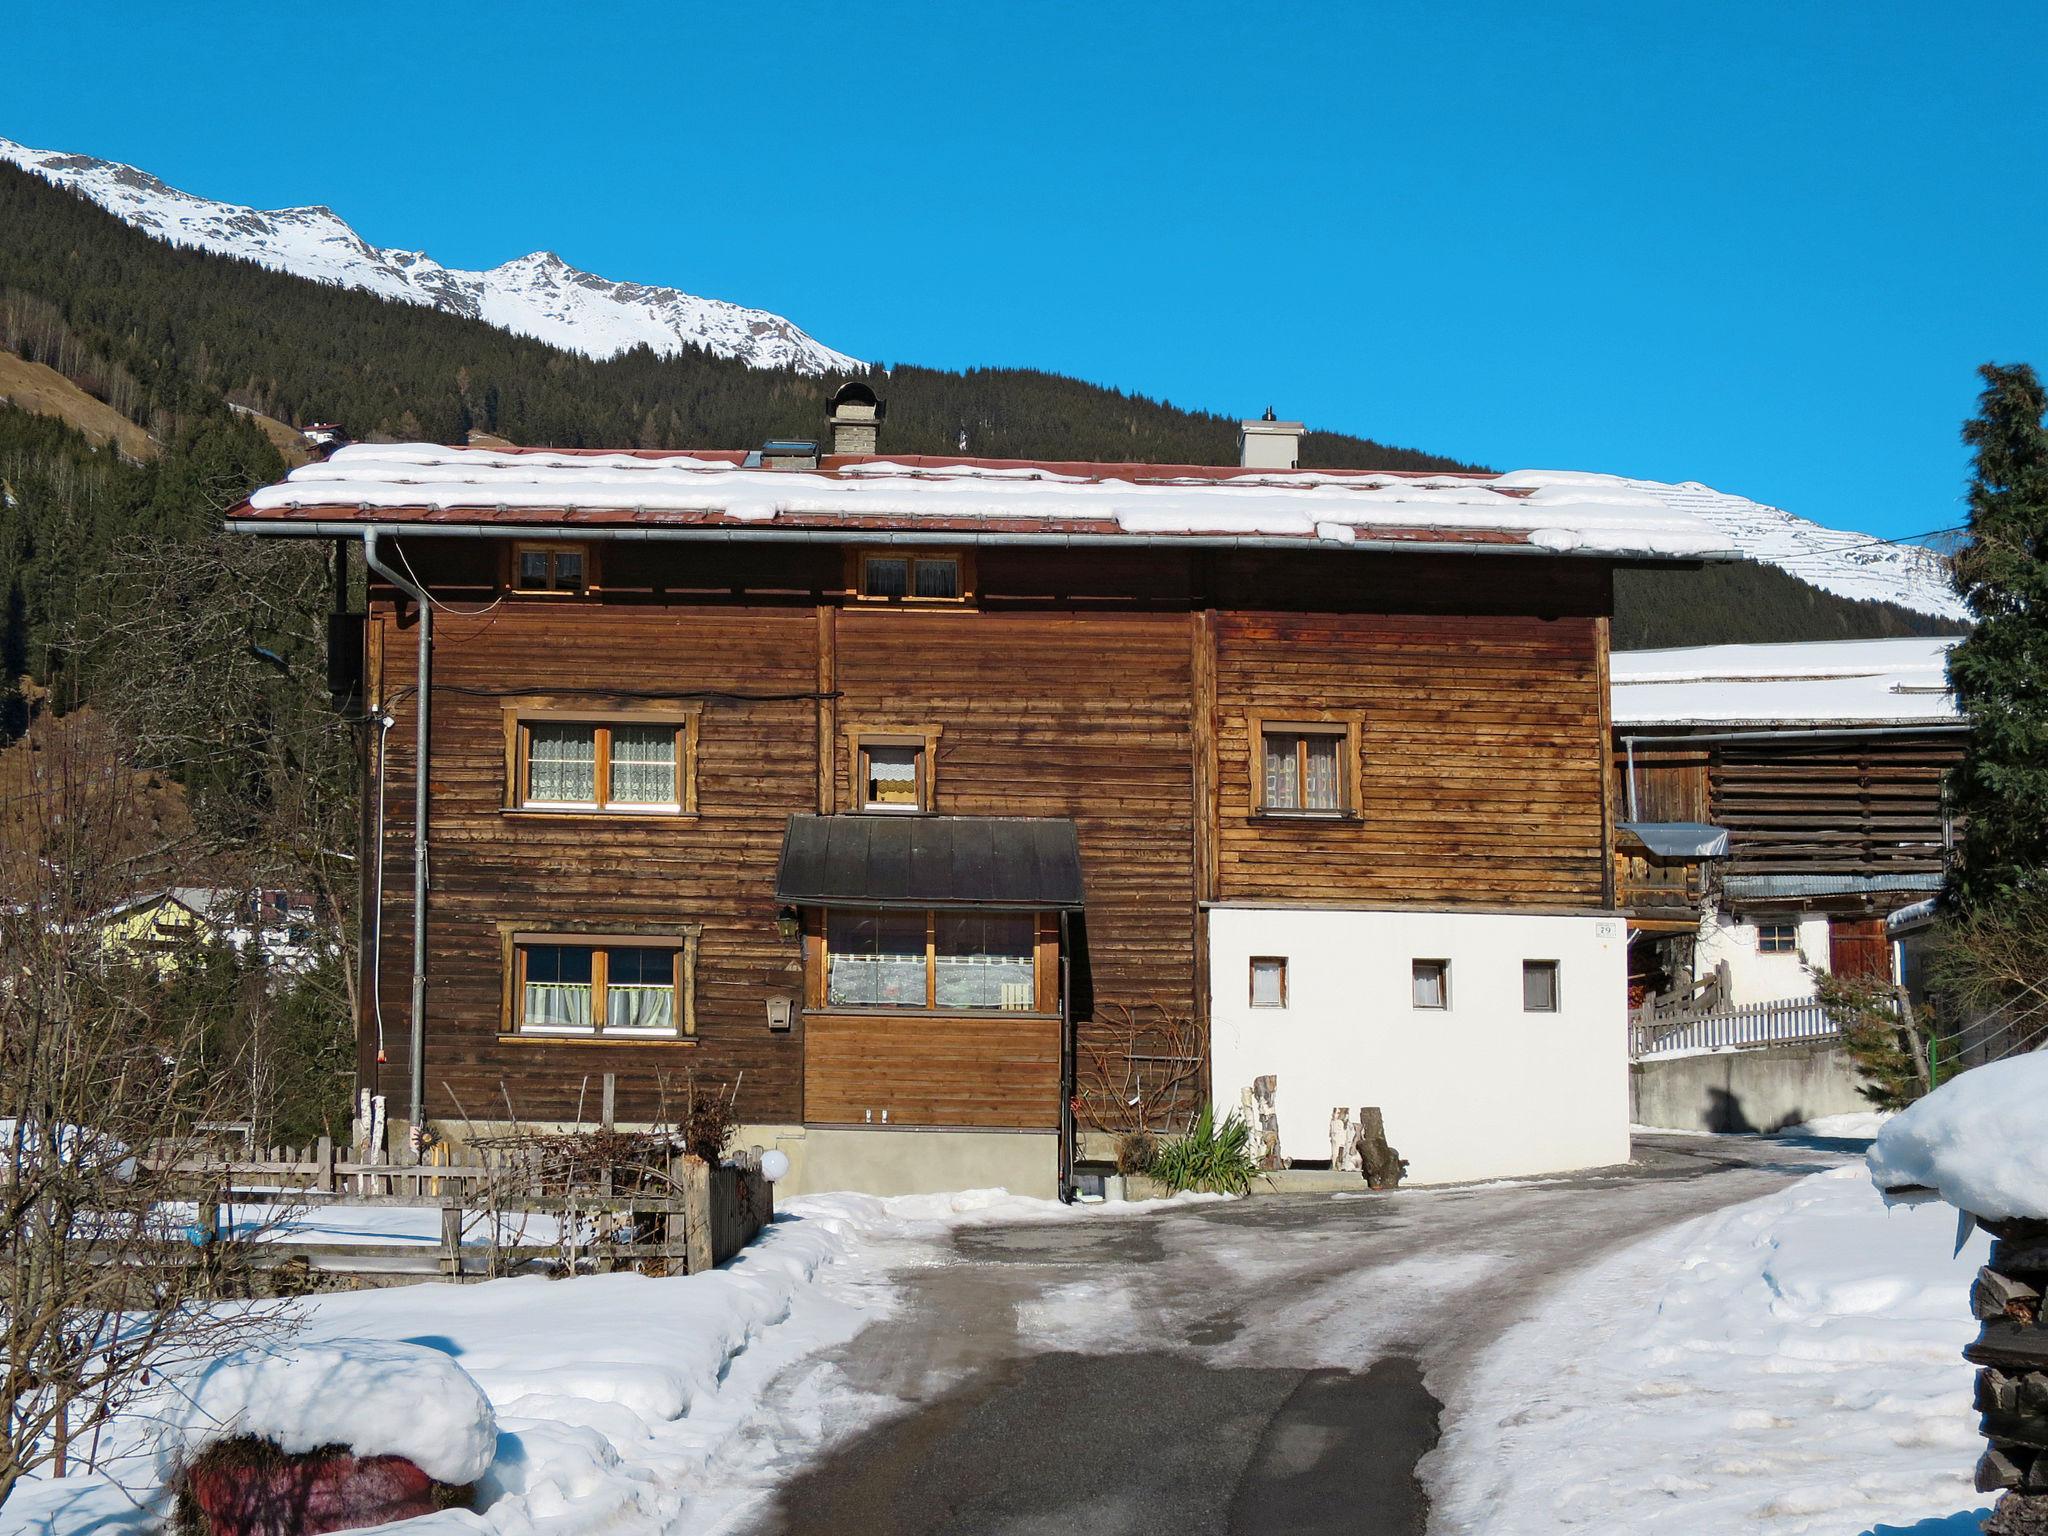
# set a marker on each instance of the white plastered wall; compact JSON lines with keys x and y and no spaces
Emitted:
{"x":1479,"y":1090}
{"x":1759,"y":978}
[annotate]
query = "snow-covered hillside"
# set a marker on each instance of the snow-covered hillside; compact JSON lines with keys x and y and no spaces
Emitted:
{"x":538,"y":295}
{"x":1836,"y":560}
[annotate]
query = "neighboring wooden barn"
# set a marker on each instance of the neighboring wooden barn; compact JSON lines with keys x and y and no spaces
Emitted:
{"x":942,"y":795}
{"x":1822,"y":764}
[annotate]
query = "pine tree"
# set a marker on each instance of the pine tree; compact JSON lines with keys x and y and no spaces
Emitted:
{"x":2000,"y":672}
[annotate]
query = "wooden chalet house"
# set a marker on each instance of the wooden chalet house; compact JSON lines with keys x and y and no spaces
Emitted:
{"x":1780,"y":802}
{"x":951,"y":807}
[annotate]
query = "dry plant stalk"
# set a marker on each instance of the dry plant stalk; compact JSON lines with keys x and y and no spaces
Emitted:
{"x":1139,"y":1069}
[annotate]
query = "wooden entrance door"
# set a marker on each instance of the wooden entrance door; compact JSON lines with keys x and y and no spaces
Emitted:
{"x":1858,"y":946}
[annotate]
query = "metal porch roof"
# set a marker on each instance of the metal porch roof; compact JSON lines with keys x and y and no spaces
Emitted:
{"x":1013,"y":862}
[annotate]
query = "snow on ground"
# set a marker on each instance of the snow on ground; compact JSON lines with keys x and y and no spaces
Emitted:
{"x":615,"y":1396}
{"x":1979,"y":1140}
{"x":1786,"y":1366}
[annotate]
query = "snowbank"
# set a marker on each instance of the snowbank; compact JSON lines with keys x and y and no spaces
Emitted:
{"x":1979,"y":1140}
{"x":616,"y":1398}
{"x":377,"y":1397}
{"x":1788,"y":1366}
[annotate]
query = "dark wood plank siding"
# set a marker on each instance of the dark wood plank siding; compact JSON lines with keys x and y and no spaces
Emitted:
{"x":1057,"y":714}
{"x":929,"y":1070}
{"x":756,"y":763}
{"x":1848,"y":806}
{"x":1483,"y":758}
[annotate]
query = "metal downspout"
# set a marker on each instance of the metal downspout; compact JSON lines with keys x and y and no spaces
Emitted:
{"x":416,"y":1100}
{"x":1066,"y":1148}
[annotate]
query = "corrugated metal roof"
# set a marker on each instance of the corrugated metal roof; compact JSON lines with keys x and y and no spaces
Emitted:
{"x":1763,"y":887}
{"x":1015,"y":862}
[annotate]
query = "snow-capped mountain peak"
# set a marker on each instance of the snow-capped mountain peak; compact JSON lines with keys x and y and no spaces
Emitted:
{"x":538,"y":295}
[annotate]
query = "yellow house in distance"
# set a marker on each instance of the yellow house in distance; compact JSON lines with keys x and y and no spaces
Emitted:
{"x":161,"y":925}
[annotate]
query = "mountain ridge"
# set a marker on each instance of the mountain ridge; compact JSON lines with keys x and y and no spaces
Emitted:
{"x":538,"y":294}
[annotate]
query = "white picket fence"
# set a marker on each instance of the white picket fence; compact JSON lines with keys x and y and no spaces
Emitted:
{"x":1801,"y":1018}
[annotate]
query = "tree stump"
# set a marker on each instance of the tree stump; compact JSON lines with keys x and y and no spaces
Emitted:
{"x":1383,"y":1167}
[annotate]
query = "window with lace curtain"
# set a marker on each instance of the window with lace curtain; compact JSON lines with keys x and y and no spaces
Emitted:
{"x":616,"y":986}
{"x":619,"y":764}
{"x":1305,"y":768}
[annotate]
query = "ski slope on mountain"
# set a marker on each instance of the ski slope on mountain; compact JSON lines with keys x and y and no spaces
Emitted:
{"x":539,"y":295}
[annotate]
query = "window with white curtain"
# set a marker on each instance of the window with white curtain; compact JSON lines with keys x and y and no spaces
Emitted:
{"x":561,"y":764}
{"x":1432,"y":983}
{"x":603,"y":765}
{"x":1269,"y":981}
{"x":938,"y":961}
{"x":643,"y":765}
{"x":600,"y":988}
{"x":556,"y":991}
{"x":1304,"y":770}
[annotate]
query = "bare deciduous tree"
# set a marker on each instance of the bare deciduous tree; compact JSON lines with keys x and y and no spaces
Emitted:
{"x":107,"y":1075}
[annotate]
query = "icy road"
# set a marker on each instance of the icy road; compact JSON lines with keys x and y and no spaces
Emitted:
{"x":1270,"y":1365}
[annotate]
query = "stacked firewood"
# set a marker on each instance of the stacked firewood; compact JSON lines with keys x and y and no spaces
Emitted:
{"x":2012,"y":1387}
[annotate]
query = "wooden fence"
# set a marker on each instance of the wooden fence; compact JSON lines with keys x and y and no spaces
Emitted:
{"x":690,"y":1218}
{"x":1744,"y":1024}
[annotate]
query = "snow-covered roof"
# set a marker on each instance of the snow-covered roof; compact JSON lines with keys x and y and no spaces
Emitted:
{"x":419,"y":484}
{"x":1825,"y":682}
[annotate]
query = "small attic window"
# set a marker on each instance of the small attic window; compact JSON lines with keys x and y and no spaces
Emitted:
{"x":550,"y":567}
{"x":912,"y":578}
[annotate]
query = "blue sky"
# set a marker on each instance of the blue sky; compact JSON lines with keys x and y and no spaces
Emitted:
{"x":1756,"y":244}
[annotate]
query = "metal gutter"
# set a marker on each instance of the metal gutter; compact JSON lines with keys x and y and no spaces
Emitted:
{"x":416,"y":1097}
{"x":323,"y":528}
{"x":1807,"y":732}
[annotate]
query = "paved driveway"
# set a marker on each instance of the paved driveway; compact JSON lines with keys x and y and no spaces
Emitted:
{"x":1268,"y":1365}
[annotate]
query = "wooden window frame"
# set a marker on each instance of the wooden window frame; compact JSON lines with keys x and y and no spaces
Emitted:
{"x":521,"y":715}
{"x":1045,"y":959}
{"x":1790,"y":948}
{"x":1252,"y":982}
{"x":550,"y":547}
{"x":1556,"y":986}
{"x":681,"y":941}
{"x":1350,"y":762}
{"x":858,"y":557}
{"x":923,"y":737}
{"x":1444,"y":968}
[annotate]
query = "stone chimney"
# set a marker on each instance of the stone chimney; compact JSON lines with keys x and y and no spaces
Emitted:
{"x":855,"y":417}
{"x":1269,"y":444}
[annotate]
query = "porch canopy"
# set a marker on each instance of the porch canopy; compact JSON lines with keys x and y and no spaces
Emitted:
{"x":1678,"y":839}
{"x":1013,"y":863}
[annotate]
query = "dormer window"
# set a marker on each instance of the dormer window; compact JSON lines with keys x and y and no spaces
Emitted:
{"x":550,"y":567}
{"x":912,"y":577}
